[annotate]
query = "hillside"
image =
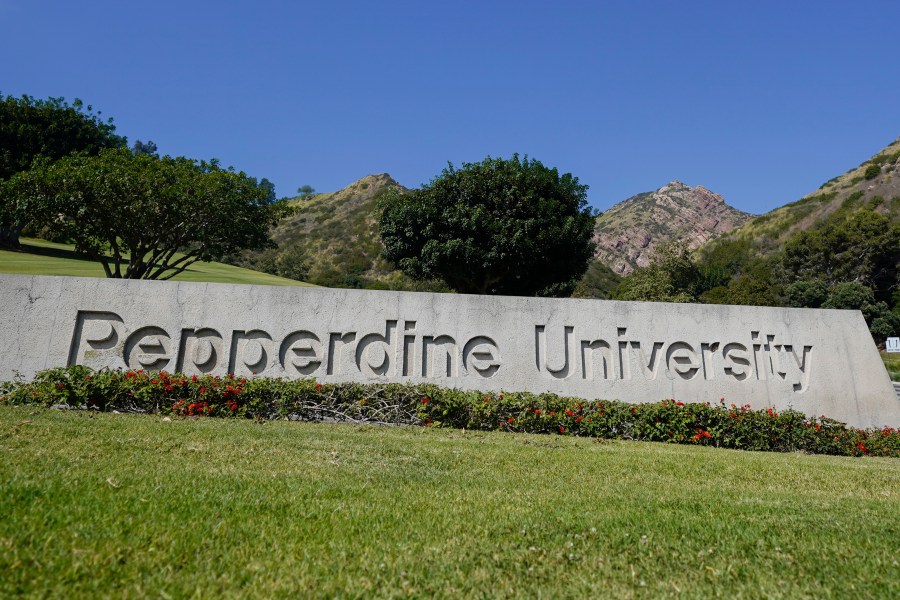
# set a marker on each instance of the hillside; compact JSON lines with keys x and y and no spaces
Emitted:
{"x":628,"y":233}
{"x":860,"y":186}
{"x":40,"y":257}
{"x":332,"y":240}
{"x":337,"y":232}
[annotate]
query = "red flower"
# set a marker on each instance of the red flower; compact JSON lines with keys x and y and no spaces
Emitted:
{"x":155,"y":382}
{"x":59,"y":386}
{"x":701,"y":434}
{"x":537,"y":411}
{"x":510,"y":420}
{"x":425,"y":400}
{"x":633,"y":410}
{"x":578,"y":419}
{"x":679,"y":404}
{"x":234,"y":406}
{"x":569,"y":412}
{"x":318,"y":386}
{"x":562,"y":429}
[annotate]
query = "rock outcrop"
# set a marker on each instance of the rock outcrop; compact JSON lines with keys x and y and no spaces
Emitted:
{"x":629,"y":232}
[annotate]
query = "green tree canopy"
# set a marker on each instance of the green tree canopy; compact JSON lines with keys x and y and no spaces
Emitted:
{"x":856,"y":296}
{"x":511,"y":227}
{"x":52,"y":128}
{"x":671,"y":276}
{"x":146,"y":217}
{"x":862,"y":247}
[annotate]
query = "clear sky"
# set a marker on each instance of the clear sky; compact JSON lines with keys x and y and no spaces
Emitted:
{"x":759,"y":101}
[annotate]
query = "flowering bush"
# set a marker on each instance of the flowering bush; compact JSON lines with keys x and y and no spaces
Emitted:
{"x":720,"y":424}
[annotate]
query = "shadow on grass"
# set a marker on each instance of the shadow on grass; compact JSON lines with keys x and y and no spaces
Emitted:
{"x":27,"y":248}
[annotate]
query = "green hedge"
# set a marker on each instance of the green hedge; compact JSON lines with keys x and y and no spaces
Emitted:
{"x":722,"y":424}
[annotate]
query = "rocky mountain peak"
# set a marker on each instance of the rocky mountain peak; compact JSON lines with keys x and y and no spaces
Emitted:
{"x":672,"y":186}
{"x":628,"y":233}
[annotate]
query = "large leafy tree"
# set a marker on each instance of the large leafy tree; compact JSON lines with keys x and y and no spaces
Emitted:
{"x":511,"y":227}
{"x":863,"y":247}
{"x":52,"y":128}
{"x":145,"y":217}
{"x":671,"y":276}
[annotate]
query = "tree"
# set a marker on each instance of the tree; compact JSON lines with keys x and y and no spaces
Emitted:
{"x":52,"y":128}
{"x":145,"y":148}
{"x":806,"y":293}
{"x":145,"y":217}
{"x":862,"y":247}
{"x":856,"y":296}
{"x":511,"y":227}
{"x":671,"y":276}
{"x":306,"y":191}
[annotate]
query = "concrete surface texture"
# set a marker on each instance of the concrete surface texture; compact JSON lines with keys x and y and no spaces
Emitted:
{"x":820,"y":362}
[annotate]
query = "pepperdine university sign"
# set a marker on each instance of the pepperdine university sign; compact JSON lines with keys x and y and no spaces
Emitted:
{"x":821,"y":362}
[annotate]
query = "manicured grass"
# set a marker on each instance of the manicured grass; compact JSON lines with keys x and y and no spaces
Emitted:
{"x":139,"y":506}
{"x":892,"y":364}
{"x":40,"y":257}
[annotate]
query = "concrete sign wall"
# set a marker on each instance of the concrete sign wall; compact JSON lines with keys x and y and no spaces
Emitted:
{"x":821,"y":362}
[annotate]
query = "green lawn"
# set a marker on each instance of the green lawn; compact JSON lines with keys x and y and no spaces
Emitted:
{"x":40,"y":257}
{"x":892,"y":364}
{"x":104,"y":505}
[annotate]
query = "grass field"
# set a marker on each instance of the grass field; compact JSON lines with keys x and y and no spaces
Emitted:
{"x":892,"y":364}
{"x":104,"y":505}
{"x":40,"y":257}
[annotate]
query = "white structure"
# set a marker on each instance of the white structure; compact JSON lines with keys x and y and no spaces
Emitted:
{"x":820,"y":362}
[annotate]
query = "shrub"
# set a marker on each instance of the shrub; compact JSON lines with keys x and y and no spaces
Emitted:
{"x":721,"y":424}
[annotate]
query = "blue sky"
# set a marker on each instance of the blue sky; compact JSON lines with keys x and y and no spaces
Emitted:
{"x":759,"y":101}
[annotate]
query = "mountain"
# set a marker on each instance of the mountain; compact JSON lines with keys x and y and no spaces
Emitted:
{"x":332,"y":240}
{"x":627,"y":234}
{"x":338,"y":234}
{"x":875,"y":182}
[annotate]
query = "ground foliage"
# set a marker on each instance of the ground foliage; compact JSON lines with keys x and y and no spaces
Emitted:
{"x":723,"y":424}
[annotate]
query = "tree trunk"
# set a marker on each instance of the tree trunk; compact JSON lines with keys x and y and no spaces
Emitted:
{"x":9,"y":236}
